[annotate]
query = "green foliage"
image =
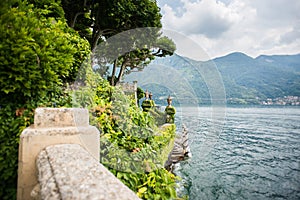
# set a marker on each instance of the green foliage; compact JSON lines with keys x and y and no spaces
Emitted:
{"x":157,"y":184}
{"x":78,"y":16}
{"x":13,"y":120}
{"x":140,"y":94}
{"x":166,"y":45}
{"x":48,"y":8}
{"x":39,"y":55}
{"x":170,"y":110}
{"x":132,"y":146}
{"x":136,"y":49}
{"x":159,"y":116}
{"x":107,"y":19}
{"x":11,"y":127}
{"x":146,"y":105}
{"x":115,"y":16}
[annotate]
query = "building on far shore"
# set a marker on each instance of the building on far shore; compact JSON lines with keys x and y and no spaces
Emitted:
{"x":286,"y":100}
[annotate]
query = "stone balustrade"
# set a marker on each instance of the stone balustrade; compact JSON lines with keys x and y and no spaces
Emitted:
{"x":68,"y":171}
{"x":59,"y":159}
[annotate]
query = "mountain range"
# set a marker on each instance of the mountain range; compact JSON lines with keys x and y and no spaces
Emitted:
{"x":244,"y":80}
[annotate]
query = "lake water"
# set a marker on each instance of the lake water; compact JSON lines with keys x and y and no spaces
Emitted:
{"x":241,"y":153}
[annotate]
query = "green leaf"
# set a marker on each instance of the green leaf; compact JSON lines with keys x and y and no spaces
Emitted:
{"x":142,"y":190}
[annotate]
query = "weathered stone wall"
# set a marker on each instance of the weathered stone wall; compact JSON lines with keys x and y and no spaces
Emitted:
{"x":68,"y":171}
{"x":180,"y":151}
{"x":54,"y":126}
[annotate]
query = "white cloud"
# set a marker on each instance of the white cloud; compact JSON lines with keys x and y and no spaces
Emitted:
{"x":204,"y":17}
{"x":291,"y":36}
{"x":251,"y":26}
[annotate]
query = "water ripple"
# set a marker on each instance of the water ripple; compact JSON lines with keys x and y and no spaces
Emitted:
{"x":257,"y":155}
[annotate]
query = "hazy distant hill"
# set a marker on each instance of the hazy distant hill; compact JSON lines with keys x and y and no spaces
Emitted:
{"x":246,"y":79}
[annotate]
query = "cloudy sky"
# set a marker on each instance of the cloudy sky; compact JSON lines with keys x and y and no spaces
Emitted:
{"x":220,"y":27}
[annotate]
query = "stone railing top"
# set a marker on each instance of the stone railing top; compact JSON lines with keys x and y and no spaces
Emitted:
{"x":67,"y":171}
{"x":60,"y":117}
{"x":53,"y":126}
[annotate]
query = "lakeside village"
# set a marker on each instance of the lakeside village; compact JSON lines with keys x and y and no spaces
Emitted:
{"x":279,"y":101}
{"x":284,"y":101}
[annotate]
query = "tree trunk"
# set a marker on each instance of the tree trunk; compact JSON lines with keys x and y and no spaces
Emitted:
{"x":112,"y":81}
{"x":73,"y":22}
{"x":95,"y":38}
{"x":122,"y":69}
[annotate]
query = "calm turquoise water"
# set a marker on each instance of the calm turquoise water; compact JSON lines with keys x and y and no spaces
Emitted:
{"x":251,"y":153}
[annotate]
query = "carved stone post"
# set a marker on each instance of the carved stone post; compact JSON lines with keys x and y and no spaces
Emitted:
{"x":53,"y":126}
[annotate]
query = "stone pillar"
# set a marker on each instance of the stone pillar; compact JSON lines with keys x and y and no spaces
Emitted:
{"x":53,"y":126}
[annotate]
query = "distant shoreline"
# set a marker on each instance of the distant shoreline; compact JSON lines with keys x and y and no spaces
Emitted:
{"x":237,"y":105}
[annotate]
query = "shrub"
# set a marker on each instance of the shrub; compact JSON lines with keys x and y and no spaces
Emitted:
{"x":38,"y":55}
{"x":133,"y":148}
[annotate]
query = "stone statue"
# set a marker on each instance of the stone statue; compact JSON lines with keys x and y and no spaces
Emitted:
{"x":151,"y":100}
{"x":170,"y":111}
{"x":146,"y":105}
{"x":147,"y":95}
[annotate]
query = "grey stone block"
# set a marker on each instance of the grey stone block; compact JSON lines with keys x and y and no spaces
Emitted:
{"x":68,"y":171}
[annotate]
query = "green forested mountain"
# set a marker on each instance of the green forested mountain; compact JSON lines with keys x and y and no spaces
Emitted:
{"x":266,"y":76}
{"x":246,"y":80}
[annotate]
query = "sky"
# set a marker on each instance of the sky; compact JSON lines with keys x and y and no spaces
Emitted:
{"x":215,"y":28}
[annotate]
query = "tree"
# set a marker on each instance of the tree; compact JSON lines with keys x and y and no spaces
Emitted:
{"x":140,"y":47}
{"x":39,"y":53}
{"x":78,"y":16}
{"x":108,"y":18}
